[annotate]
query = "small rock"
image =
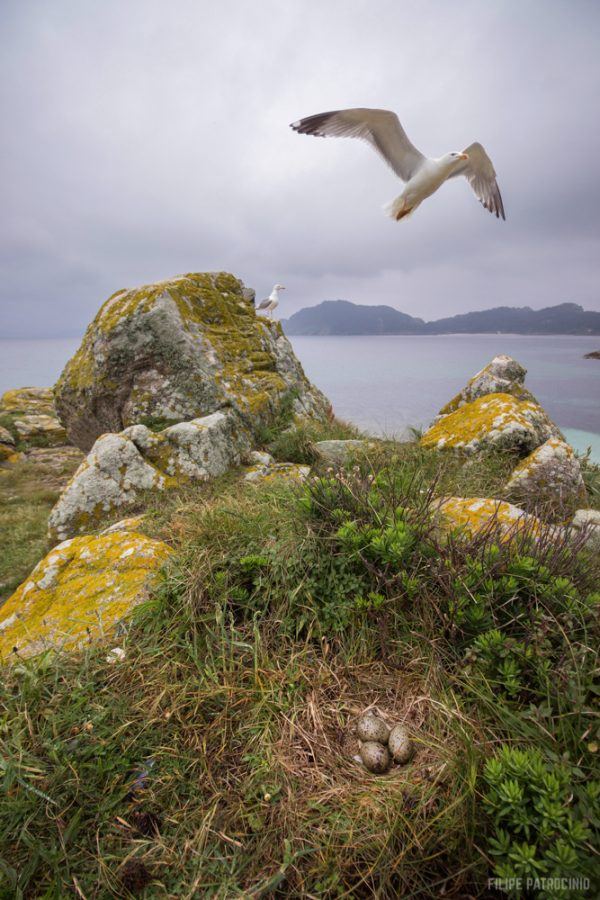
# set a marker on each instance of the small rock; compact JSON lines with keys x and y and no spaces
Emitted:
{"x":289,"y":471}
{"x":34,"y":427}
{"x":117,"y":654}
{"x":336,"y":453}
{"x":588,"y":520}
{"x":371,"y":728}
{"x":6,"y":437}
{"x":400,"y":744}
{"x":260,"y":458}
{"x":375,"y":757}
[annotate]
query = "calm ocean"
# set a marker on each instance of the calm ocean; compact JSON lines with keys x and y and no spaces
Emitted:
{"x":386,"y":383}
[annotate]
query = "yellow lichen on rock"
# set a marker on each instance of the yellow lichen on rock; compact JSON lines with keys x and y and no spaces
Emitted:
{"x":494,"y":420}
{"x":503,"y":375}
{"x":265,"y":473}
{"x":28,"y":400}
{"x":79,"y":591}
{"x":471,"y":515}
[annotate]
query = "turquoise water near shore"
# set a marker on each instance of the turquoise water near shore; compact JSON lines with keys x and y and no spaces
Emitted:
{"x":387,"y":383}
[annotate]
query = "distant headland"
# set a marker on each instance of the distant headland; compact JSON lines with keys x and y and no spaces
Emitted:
{"x":345,"y":318}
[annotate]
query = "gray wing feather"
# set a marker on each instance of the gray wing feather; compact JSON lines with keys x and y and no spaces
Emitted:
{"x":264,"y":304}
{"x":381,"y":128}
{"x":479,"y":172}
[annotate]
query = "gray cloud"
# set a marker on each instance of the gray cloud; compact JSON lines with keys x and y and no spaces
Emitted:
{"x":146,"y":138}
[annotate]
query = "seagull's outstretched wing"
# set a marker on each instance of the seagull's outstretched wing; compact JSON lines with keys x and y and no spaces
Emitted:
{"x":479,"y":172}
{"x":265,"y":303}
{"x":379,"y":127}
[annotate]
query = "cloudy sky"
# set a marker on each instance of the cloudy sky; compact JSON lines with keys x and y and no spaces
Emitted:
{"x":144,"y":138}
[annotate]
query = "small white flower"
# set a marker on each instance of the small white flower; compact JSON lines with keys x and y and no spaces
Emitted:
{"x":117,"y":654}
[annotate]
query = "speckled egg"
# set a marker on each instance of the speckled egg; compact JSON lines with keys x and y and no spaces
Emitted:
{"x":400,"y":744}
{"x":375,"y":757}
{"x":372,"y":728}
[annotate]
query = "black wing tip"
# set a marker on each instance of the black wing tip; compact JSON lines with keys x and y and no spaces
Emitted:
{"x":311,"y":124}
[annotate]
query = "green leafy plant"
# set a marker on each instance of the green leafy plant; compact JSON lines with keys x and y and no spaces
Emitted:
{"x":539,"y":811}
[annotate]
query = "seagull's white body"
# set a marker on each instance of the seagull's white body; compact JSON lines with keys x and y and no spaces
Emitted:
{"x":272,"y":301}
{"x":422,"y":175}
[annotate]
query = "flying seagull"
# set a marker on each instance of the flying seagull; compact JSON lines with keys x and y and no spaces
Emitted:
{"x":272,"y":301}
{"x":423,"y":176}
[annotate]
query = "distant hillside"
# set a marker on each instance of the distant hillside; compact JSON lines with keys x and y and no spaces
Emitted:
{"x":343,"y":317}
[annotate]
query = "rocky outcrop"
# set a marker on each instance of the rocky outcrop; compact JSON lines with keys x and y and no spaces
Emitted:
{"x":498,"y":421}
{"x":180,"y":350}
{"x":121,"y":466}
{"x":79,"y":591}
{"x":29,"y":418}
{"x":503,"y":375}
{"x":550,"y":476}
{"x":495,"y":411}
{"x":28,"y":401}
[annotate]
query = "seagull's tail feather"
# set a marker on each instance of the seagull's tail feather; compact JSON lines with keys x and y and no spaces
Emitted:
{"x":398,"y":208}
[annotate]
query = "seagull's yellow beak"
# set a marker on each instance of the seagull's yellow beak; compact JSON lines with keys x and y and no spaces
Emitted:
{"x":464,"y":156}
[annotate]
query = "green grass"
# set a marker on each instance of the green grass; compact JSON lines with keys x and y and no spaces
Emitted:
{"x":217,"y":758}
{"x":28,"y":492}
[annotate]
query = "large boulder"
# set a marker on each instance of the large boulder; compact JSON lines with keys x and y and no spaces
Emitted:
{"x":179,"y":350}
{"x":498,"y":421}
{"x":550,"y":476}
{"x":79,"y":591}
{"x":503,"y":375}
{"x":121,"y":466}
{"x":493,"y":410}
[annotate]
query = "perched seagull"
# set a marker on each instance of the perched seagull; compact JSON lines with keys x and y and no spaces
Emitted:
{"x":423,"y":176}
{"x":272,"y":301}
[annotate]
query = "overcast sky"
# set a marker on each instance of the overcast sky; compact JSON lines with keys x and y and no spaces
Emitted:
{"x":145,"y":138}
